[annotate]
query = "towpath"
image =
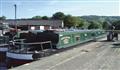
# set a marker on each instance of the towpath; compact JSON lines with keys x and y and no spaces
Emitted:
{"x":100,"y":55}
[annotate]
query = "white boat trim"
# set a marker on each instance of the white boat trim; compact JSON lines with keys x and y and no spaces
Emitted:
{"x":3,"y":49}
{"x":19,"y":56}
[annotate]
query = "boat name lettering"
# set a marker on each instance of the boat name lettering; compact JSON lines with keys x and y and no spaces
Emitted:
{"x":65,"y":38}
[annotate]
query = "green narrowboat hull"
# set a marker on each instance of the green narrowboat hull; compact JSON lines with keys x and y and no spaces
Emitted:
{"x":71,"y":38}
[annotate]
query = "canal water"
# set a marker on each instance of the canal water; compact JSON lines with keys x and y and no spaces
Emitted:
{"x":3,"y":61}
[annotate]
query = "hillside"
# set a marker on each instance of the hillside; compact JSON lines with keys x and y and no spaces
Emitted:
{"x":101,"y":18}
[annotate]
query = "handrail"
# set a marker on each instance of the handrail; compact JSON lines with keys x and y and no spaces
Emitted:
{"x":112,"y":30}
{"x":33,"y":43}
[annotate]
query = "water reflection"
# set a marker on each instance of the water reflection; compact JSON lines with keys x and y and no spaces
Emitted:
{"x":3,"y":63}
{"x":6,"y":63}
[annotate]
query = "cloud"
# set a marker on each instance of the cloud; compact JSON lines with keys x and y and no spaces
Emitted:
{"x":18,"y":3}
{"x":31,"y":10}
{"x":119,"y":8}
{"x":52,"y":2}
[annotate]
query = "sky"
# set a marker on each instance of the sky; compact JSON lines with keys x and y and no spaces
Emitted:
{"x":30,"y":8}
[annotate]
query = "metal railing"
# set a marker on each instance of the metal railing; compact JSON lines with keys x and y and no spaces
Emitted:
{"x":25,"y":46}
{"x":4,"y":39}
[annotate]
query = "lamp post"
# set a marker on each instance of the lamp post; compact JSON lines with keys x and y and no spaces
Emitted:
{"x":15,"y":16}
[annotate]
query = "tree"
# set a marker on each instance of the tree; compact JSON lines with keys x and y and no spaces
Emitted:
{"x":36,"y":17}
{"x":68,"y":21}
{"x":58,"y":15}
{"x":116,"y":24}
{"x":93,"y":25}
{"x":2,"y":18}
{"x":86,"y":24}
{"x":71,"y":21}
{"x":105,"y":25}
{"x":78,"y":22}
{"x":45,"y":18}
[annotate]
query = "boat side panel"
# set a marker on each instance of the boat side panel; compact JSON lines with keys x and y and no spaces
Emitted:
{"x":74,"y":38}
{"x":20,"y":56}
{"x":3,"y":49}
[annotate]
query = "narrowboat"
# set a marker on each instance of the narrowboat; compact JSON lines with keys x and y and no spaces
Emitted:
{"x":36,"y":44}
{"x":4,"y":43}
{"x":3,"y":39}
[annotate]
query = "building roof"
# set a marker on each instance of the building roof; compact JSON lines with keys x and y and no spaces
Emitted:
{"x":33,"y":22}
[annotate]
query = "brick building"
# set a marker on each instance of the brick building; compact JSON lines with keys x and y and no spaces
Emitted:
{"x":27,"y":24}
